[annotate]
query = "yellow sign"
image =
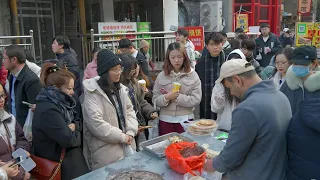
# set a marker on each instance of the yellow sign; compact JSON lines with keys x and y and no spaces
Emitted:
{"x":304,"y":33}
{"x":242,"y":21}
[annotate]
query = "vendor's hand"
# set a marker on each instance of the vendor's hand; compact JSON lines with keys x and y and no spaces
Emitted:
{"x":33,"y":107}
{"x":11,"y":171}
{"x":72,"y":126}
{"x":208,"y":166}
{"x":172,"y":95}
{"x":145,"y":89}
{"x":27,"y":176}
{"x":141,"y":129}
{"x":154,"y":115}
{"x":129,"y":140}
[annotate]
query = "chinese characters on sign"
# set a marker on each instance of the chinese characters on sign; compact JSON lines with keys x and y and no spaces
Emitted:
{"x":196,"y":36}
{"x":304,"y":6}
{"x":242,"y":21}
{"x":117,"y":27}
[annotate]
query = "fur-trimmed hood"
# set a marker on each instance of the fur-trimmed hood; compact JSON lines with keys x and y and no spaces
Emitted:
{"x":312,"y":84}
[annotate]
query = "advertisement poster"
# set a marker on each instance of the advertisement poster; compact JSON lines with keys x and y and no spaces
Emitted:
{"x":196,"y":36}
{"x":117,"y":27}
{"x":144,"y":27}
{"x":304,"y":6}
{"x":242,"y":21}
{"x":316,"y":35}
{"x":304,"y":33}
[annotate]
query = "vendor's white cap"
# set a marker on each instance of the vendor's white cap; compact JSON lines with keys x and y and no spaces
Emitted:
{"x":234,"y":67}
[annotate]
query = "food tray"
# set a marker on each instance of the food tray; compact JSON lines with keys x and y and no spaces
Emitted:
{"x":192,"y":128}
{"x":158,"y":145}
{"x":137,"y":175}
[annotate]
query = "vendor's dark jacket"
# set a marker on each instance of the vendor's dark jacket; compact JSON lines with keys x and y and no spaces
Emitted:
{"x":260,"y":44}
{"x":304,"y":129}
{"x":69,"y":59}
{"x":286,"y":41}
{"x":257,"y":147}
{"x":143,"y":63}
{"x":26,"y":88}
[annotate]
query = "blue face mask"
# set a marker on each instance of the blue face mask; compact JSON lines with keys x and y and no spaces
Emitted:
{"x":301,"y":71}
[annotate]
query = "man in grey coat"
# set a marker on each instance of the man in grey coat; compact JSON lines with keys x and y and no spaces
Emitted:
{"x":256,"y":147}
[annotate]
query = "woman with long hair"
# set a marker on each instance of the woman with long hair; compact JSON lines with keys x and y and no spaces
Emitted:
{"x":282,"y":64}
{"x":110,"y":123}
{"x":176,"y":104}
{"x":11,"y":139}
{"x":144,"y":110}
{"x":56,"y":126}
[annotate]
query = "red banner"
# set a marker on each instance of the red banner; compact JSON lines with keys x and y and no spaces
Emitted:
{"x":196,"y":36}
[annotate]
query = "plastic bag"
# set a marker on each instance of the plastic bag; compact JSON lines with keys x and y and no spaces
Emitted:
{"x":27,"y":128}
{"x":128,"y":151}
{"x":154,"y":131}
{"x":184,"y":165}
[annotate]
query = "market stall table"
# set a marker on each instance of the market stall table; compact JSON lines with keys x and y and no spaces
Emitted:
{"x":146,"y":161}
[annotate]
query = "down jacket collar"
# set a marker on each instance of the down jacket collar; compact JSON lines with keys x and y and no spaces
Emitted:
{"x":311,"y":84}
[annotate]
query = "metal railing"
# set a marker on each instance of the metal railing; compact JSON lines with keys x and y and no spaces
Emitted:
{"x":28,"y":42}
{"x":158,"y":41}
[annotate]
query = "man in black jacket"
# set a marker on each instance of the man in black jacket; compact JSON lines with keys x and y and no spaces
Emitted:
{"x":208,"y":69}
{"x":126,"y":46}
{"x":268,"y":45}
{"x":67,"y":57}
{"x":24,"y":85}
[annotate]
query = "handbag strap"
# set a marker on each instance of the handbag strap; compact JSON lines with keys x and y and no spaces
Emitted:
{"x":60,"y":163}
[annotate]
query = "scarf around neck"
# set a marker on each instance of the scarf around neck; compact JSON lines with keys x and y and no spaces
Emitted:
{"x":65,"y":102}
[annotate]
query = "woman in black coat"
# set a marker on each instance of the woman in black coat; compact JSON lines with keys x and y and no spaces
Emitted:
{"x":56,"y":124}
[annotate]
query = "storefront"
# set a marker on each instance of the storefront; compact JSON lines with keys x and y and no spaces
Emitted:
{"x":260,"y":11}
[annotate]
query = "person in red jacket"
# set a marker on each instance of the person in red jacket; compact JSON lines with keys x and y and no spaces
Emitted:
{"x":3,"y":73}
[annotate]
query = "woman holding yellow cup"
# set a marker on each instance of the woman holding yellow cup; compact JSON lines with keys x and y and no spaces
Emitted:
{"x":177,"y":90}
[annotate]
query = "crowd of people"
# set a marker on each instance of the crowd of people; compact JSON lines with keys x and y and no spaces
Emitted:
{"x":262,"y":91}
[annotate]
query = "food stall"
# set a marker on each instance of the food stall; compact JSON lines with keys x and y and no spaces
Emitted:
{"x":155,"y":162}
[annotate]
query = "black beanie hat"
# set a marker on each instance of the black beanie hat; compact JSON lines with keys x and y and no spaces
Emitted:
{"x":106,"y":60}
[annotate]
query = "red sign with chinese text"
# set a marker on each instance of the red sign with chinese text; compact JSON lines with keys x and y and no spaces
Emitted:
{"x":196,"y":36}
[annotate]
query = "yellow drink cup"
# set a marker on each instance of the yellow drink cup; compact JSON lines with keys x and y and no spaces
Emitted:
{"x":142,"y":83}
{"x":176,"y":86}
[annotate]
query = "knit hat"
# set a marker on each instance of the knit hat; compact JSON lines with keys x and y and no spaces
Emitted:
{"x":143,"y":43}
{"x":106,"y":60}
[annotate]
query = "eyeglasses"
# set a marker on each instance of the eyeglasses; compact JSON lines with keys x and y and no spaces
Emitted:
{"x":3,"y":96}
{"x":117,"y":70}
{"x":281,"y":63}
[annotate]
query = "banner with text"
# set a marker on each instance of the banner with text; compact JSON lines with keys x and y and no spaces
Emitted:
{"x":196,"y":36}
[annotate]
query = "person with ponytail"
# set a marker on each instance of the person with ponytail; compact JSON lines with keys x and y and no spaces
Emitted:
{"x":56,"y":125}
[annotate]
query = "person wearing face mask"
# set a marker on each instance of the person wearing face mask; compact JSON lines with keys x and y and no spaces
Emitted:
{"x":302,"y":87}
{"x":302,"y":77}
{"x":256,"y":147}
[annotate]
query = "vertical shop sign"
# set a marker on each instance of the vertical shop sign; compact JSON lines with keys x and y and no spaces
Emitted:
{"x":242,"y":21}
{"x":304,"y":6}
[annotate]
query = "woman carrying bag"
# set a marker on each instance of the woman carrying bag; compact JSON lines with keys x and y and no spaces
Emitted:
{"x":56,"y":128}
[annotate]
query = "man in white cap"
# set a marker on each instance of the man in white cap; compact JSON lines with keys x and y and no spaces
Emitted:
{"x":256,"y":147}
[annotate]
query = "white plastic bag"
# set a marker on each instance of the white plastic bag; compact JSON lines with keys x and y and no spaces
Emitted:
{"x":154,"y":131}
{"x":27,"y":128}
{"x":128,"y":151}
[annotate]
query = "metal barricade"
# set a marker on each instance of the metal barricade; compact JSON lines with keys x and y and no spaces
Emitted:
{"x":27,"y":42}
{"x":158,"y":41}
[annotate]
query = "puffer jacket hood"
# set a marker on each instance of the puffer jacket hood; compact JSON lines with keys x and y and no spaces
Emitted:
{"x":311,"y":84}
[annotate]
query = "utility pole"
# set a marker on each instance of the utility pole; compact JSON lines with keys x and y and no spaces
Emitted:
{"x":14,"y":19}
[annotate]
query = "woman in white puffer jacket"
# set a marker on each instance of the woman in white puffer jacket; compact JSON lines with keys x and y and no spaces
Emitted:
{"x":223,"y":103}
